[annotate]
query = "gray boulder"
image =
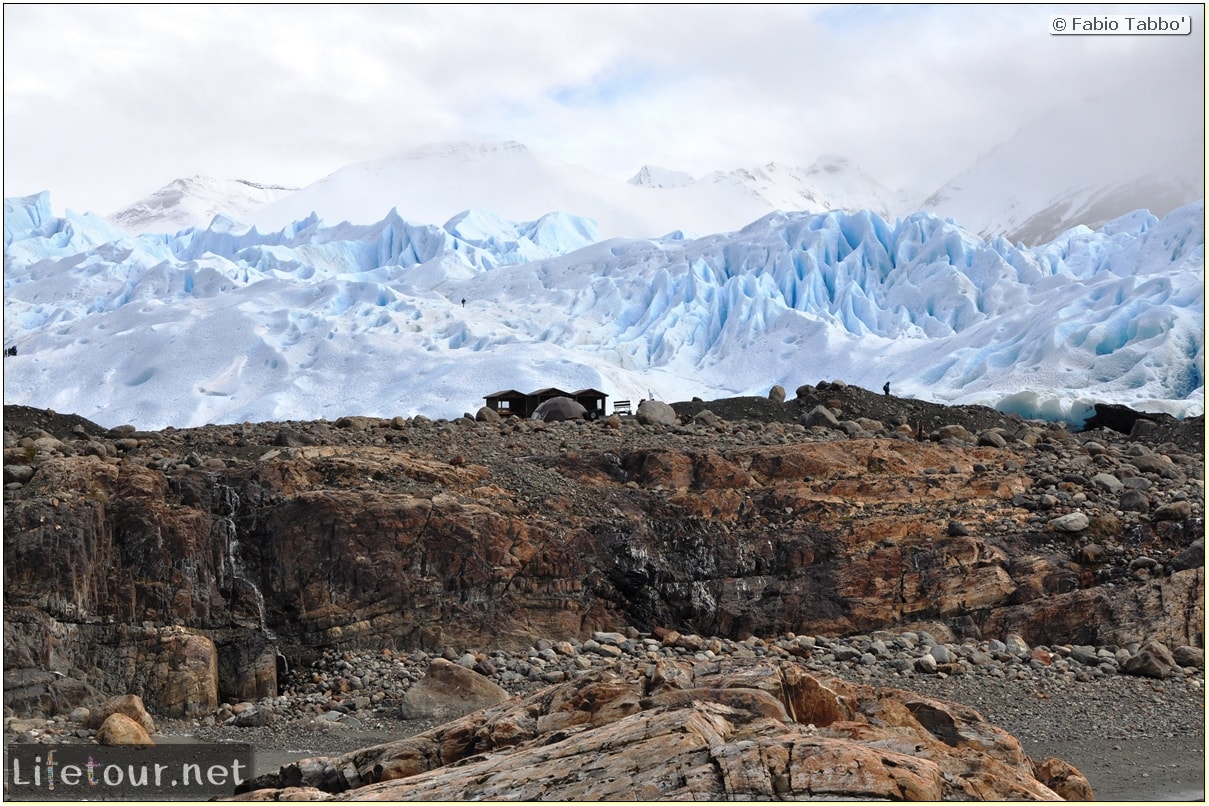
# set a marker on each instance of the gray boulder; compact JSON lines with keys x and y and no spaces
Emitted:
{"x":1072,"y":522}
{"x":819,"y":416}
{"x":992,"y":439}
{"x":955,"y":431}
{"x":1134,"y":501}
{"x":486,"y":414}
{"x":1190,"y":657}
{"x":1154,"y":659}
{"x":1175,"y":511}
{"x":656,"y":412}
{"x":449,"y":691}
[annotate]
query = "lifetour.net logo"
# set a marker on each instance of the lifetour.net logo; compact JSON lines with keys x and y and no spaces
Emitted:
{"x":91,"y":772}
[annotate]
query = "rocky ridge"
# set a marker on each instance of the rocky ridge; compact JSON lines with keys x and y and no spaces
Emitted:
{"x":196,"y":566}
{"x":225,"y":547}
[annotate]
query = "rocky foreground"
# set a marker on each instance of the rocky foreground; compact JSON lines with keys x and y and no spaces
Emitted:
{"x":259,"y":577}
{"x":1135,"y":731}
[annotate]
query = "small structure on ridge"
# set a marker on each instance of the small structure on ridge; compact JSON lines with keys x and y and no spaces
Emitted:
{"x":510,"y":402}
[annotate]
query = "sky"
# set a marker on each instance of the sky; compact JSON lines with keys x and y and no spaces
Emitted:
{"x":105,"y":104}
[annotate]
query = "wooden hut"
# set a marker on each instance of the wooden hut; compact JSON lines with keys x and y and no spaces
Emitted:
{"x":591,"y":399}
{"x":542,"y":395}
{"x":510,"y":403}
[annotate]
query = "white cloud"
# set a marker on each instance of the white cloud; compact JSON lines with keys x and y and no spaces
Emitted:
{"x":105,"y":103}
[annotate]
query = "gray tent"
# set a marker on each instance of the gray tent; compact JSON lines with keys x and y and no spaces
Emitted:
{"x":559,"y":408}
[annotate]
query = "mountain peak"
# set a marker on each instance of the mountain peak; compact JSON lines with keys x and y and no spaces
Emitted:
{"x":194,"y":201}
{"x":463,"y":148}
{"x":1029,"y":190}
{"x":652,"y":176}
{"x":831,"y":164}
{"x":262,"y":186}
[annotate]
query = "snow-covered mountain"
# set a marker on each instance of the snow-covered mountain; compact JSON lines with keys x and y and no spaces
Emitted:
{"x":832,"y":182}
{"x":1041,"y":182}
{"x":193,"y":202}
{"x":226,"y":324}
{"x":1030,"y":188}
{"x":652,"y":176}
{"x":436,"y":182}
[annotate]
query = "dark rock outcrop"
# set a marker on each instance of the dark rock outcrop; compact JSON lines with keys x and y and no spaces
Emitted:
{"x":1116,"y":417}
{"x":179,"y":564}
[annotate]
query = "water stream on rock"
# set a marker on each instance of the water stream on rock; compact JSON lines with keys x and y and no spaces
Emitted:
{"x":230,"y":506}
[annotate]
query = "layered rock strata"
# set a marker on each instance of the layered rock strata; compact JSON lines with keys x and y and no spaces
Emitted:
{"x":193,"y":566}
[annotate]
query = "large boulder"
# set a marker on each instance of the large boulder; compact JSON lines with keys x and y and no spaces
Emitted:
{"x":448,"y":691}
{"x":119,"y":730}
{"x":129,"y":706}
{"x":819,"y":416}
{"x":656,"y":412}
{"x":1152,"y":660}
{"x":486,"y":414}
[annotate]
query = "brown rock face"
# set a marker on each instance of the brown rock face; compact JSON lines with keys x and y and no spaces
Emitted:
{"x":728,"y":736}
{"x":179,"y":564}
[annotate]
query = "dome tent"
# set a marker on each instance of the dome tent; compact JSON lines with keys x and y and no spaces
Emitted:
{"x":559,"y":408}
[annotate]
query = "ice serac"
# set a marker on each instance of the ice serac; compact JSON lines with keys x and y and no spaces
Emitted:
{"x":24,"y":215}
{"x":33,"y":232}
{"x":396,"y":317}
{"x":510,"y":242}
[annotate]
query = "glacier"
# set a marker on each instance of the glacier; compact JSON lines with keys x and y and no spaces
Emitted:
{"x":227,"y":323}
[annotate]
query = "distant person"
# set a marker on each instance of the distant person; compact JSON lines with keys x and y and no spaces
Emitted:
{"x":886,"y":389}
{"x":11,"y":350}
{"x":463,"y":302}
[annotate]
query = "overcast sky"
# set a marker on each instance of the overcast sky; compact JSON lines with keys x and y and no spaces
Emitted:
{"x":104,"y":104}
